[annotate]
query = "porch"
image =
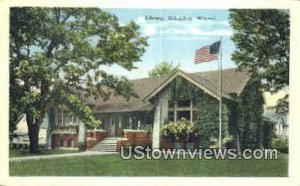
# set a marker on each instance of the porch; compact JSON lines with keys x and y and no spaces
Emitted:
{"x":116,"y":123}
{"x":99,"y":140}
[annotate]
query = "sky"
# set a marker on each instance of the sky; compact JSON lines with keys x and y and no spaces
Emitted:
{"x":176,"y":41}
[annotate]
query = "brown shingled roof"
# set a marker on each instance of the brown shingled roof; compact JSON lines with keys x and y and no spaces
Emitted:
{"x":233,"y":82}
{"x":119,"y":104}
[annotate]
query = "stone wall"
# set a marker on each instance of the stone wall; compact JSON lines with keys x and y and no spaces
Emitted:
{"x":120,"y":143}
{"x":94,"y":136}
{"x":135,"y":137}
{"x":90,"y":142}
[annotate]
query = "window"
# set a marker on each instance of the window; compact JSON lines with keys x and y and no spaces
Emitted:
{"x":184,"y":114}
{"x":171,"y":116}
{"x":171,"y":104}
{"x":60,"y":119}
{"x":181,"y":109}
{"x":195,"y":114}
{"x":70,"y":143}
{"x":67,"y":119}
{"x":183,"y":103}
{"x":62,"y":142}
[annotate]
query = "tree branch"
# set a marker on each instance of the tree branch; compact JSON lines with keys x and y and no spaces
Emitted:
{"x":66,"y":18}
{"x":65,"y":61}
{"x":57,"y":14}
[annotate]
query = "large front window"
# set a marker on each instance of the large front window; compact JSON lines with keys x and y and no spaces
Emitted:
{"x":67,"y":119}
{"x":179,"y":109}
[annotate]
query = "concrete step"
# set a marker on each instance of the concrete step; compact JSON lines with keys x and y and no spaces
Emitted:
{"x":103,"y":149}
{"x":96,"y":150}
{"x":105,"y":145}
{"x":108,"y":144}
{"x":108,"y":141}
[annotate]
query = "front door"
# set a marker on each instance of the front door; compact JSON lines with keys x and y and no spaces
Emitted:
{"x":112,"y":126}
{"x":119,"y":130}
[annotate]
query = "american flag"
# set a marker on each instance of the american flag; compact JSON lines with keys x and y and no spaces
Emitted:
{"x":207,"y":53}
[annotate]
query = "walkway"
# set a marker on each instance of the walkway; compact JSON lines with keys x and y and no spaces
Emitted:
{"x":87,"y":153}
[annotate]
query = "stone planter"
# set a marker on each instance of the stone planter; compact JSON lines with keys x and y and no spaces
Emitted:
{"x":178,"y":145}
{"x":166,"y":144}
{"x":138,"y":137}
{"x":98,"y":134}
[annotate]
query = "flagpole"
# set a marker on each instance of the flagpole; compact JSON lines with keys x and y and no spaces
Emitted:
{"x":220,"y":89}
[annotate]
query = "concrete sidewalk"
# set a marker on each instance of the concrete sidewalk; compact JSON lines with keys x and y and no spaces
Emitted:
{"x":87,"y":153}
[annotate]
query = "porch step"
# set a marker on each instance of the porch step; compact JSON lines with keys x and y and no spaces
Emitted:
{"x":108,"y":144}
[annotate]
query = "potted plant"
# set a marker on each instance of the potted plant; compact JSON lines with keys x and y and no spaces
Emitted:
{"x":179,"y":132}
{"x":149,"y":129}
{"x":170,"y":131}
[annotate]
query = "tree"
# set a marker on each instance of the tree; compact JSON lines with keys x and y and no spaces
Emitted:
{"x":55,"y":48}
{"x":163,"y":69}
{"x":262,"y":39}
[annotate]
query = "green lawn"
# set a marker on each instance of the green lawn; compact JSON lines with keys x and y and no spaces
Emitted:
{"x":113,"y":165}
{"x":25,"y":152}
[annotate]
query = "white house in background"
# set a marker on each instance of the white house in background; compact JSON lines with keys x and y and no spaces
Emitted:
{"x":20,"y":135}
{"x":281,"y":125}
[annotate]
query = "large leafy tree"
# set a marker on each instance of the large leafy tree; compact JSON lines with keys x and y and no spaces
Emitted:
{"x":262,"y":39}
{"x":163,"y":69}
{"x":55,"y":48}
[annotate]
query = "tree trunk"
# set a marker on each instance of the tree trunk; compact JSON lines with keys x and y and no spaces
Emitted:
{"x":238,"y":143}
{"x":33,"y":133}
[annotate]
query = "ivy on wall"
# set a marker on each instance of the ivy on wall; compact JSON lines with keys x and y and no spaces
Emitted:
{"x":207,"y":115}
{"x":208,"y":120}
{"x":242,"y":117}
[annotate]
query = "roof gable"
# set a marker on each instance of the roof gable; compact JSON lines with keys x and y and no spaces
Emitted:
{"x":233,"y":80}
{"x":200,"y":82}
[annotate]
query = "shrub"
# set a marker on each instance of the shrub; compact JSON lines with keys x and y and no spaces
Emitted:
{"x":214,"y":142}
{"x":149,"y":129}
{"x":81,"y":146}
{"x":42,"y":146}
{"x":282,"y":145}
{"x":126,"y":148}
